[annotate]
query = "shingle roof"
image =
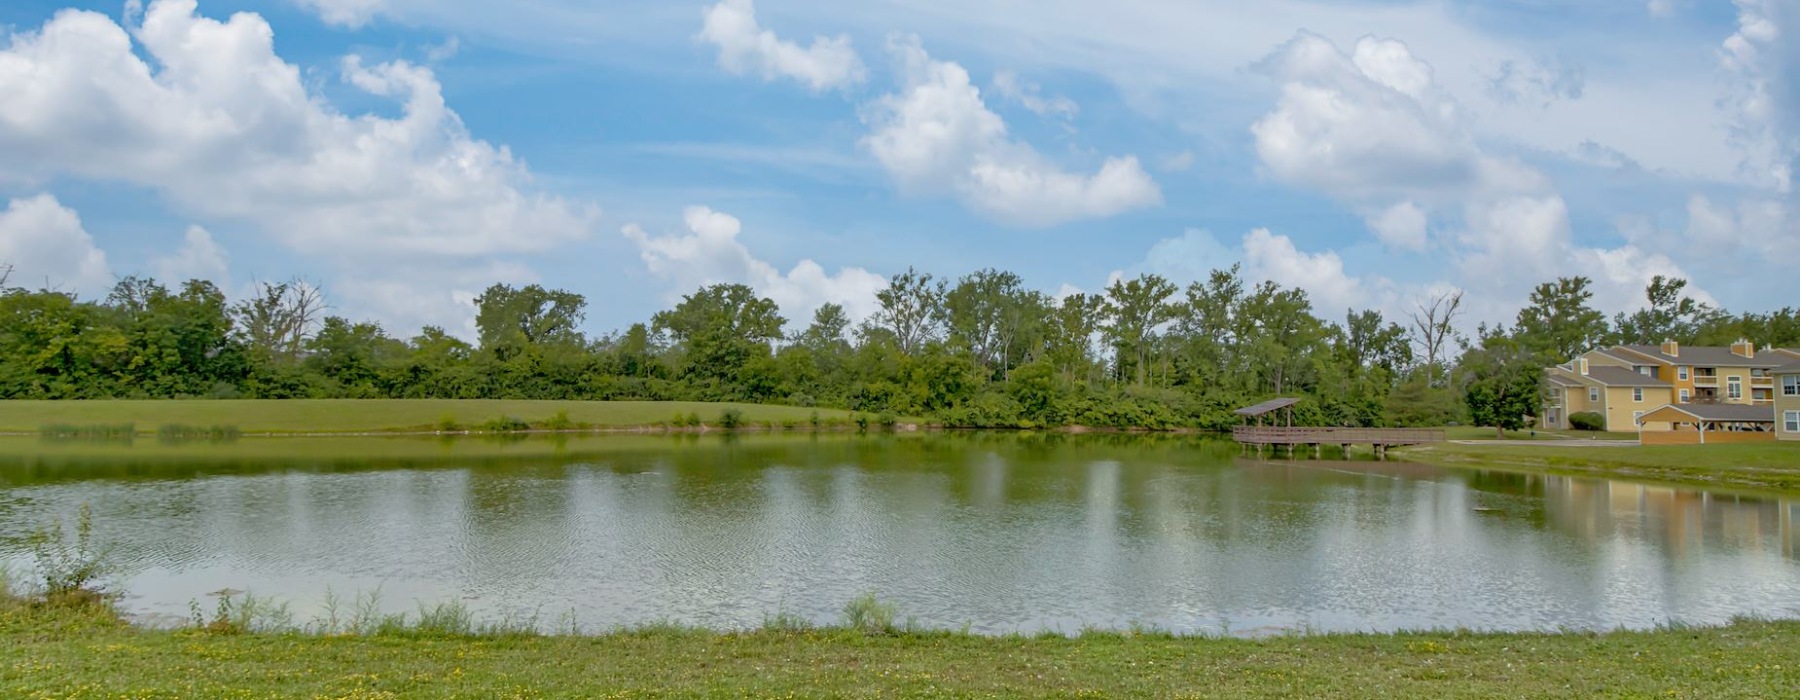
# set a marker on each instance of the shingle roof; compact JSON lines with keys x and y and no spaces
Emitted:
{"x":1619,"y":376}
{"x":1730,"y":412}
{"x":1792,"y":367}
{"x":1711,"y":357}
{"x":1562,"y":380}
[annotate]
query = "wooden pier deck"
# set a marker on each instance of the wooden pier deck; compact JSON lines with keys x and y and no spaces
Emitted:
{"x":1379,"y":438}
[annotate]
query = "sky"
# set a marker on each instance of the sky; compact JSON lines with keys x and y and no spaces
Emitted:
{"x":405,"y":154}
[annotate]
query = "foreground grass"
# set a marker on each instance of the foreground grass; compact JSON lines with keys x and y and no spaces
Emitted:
{"x":1760,"y":466}
{"x":84,"y":653}
{"x":293,"y":416}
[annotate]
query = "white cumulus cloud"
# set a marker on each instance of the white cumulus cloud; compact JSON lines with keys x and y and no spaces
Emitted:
{"x":199,"y":257}
{"x":46,"y":246}
{"x":711,"y":253}
{"x":1402,"y":226}
{"x":938,"y":135}
{"x":745,"y":47}
{"x":210,"y":117}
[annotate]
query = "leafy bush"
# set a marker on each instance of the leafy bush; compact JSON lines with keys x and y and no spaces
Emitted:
{"x":731,"y":419}
{"x":815,"y":420}
{"x":505,"y":424}
{"x":1587,"y":420}
{"x":447,"y":424}
{"x":195,"y":433}
{"x":887,"y":420}
{"x":560,"y":421}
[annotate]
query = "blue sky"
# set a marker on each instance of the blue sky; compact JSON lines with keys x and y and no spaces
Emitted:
{"x":1368,"y":152}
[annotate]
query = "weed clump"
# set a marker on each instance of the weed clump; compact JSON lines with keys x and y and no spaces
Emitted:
{"x":731,"y":419}
{"x":71,"y":573}
{"x":868,"y":615}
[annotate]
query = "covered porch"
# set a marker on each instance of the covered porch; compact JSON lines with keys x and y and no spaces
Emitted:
{"x":1708,"y":424}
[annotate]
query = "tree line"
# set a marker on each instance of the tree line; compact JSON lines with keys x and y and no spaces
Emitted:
{"x":981,"y":350}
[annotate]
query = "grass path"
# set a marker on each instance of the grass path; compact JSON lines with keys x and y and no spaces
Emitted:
{"x":374,"y":415}
{"x":57,"y":653}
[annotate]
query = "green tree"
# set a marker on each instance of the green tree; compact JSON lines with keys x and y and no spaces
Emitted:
{"x":1502,"y":382}
{"x":1135,"y":310}
{"x":724,"y":332}
{"x":1559,"y":324}
{"x":911,"y":310}
{"x":508,"y":317}
{"x":1670,"y":315}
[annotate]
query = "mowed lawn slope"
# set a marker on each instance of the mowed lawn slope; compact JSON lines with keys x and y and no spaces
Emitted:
{"x":1774,"y":465}
{"x":374,"y":415}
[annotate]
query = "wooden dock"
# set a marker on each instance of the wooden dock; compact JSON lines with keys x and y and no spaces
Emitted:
{"x":1378,"y":438}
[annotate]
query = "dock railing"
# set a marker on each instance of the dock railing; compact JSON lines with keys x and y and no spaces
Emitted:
{"x":1254,"y":435}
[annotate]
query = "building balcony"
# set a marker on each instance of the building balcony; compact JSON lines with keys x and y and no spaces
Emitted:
{"x":1706,"y":381}
{"x":1762,"y":381}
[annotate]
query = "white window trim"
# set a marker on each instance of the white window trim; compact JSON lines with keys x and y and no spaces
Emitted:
{"x":1687,"y":395}
{"x":1790,"y":385}
{"x":1637,"y":418}
{"x":1637,"y":395}
{"x":1791,"y":421}
{"x":1734,"y":387}
{"x":1682,"y":372}
{"x":1593,"y":395}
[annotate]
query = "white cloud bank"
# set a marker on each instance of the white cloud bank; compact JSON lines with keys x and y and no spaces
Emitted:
{"x":745,"y":47}
{"x":346,"y":13}
{"x":223,"y":127}
{"x":1371,"y":128}
{"x":710,"y":253}
{"x":938,"y":136}
{"x":46,"y":246}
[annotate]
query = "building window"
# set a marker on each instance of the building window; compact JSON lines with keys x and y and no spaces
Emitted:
{"x":1758,"y":372}
{"x":1593,"y":395}
{"x":1734,"y":388}
{"x":1682,"y":372}
{"x":1686,"y":395}
{"x":1637,"y":395}
{"x":1637,"y":418}
{"x":1792,"y":418}
{"x":1646,"y":370}
{"x":1790,"y":385}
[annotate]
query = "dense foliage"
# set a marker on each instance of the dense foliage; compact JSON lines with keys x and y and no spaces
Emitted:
{"x":982,"y":350}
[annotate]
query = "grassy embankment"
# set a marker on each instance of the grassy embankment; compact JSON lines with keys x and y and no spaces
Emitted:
{"x":302,"y":416}
{"x":84,"y":652}
{"x":1759,"y":466}
{"x":1466,"y":432}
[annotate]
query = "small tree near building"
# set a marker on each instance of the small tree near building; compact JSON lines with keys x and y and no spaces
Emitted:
{"x":1503,"y":383}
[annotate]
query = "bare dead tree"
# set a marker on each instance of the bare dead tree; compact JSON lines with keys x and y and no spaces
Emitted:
{"x":1433,"y":328}
{"x":279,"y":318}
{"x":6,"y":271}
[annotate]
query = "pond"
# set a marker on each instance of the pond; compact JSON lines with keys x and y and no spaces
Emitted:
{"x":993,"y":533}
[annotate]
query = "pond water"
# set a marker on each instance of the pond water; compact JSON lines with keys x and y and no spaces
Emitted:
{"x":995,"y":533}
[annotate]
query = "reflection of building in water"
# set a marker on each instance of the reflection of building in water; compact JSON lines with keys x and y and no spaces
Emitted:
{"x":1684,"y":522}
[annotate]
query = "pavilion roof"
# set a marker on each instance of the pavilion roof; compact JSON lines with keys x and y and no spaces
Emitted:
{"x":1267,"y":407}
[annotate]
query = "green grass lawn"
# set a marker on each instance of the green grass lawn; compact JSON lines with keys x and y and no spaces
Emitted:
{"x":1762,"y":466}
{"x":373,"y":415}
{"x":1465,"y":432}
{"x":83,"y":653}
